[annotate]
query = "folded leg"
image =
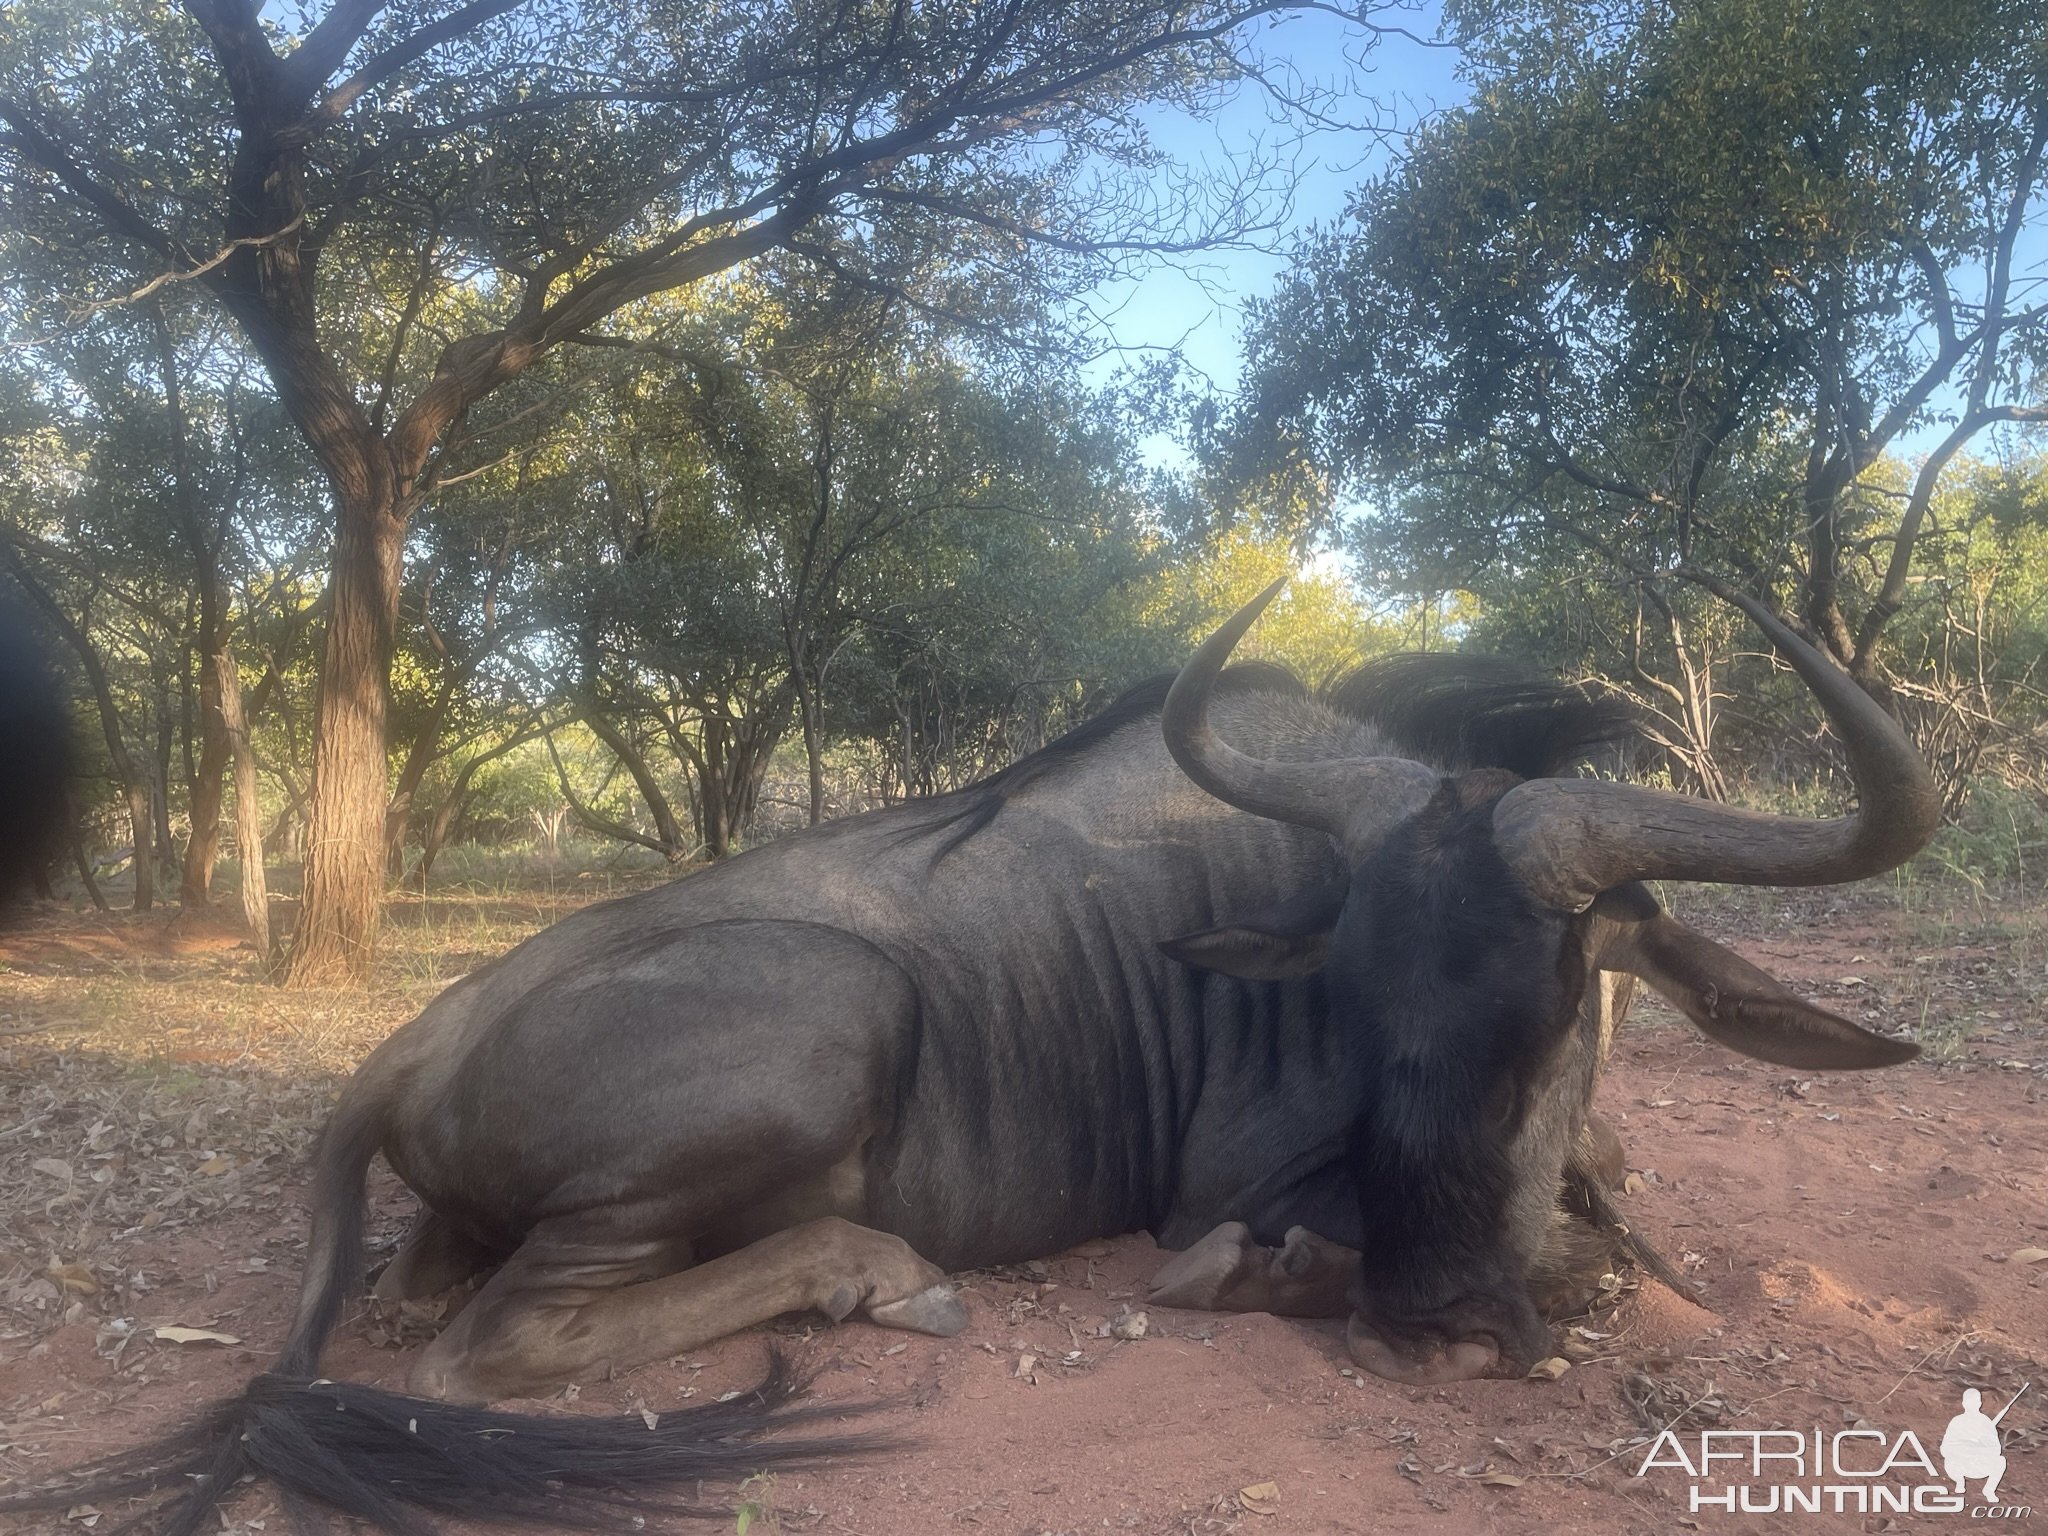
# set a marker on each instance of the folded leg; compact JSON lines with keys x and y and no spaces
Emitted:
{"x":1307,"y":1276}
{"x":565,"y":1308}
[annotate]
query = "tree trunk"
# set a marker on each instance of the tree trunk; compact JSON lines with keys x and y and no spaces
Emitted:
{"x":421,"y":754}
{"x":283,"y":839}
{"x":234,"y":730}
{"x":188,"y":713}
{"x":444,"y":822}
{"x":603,"y":826}
{"x":735,"y":759}
{"x":1695,"y":708}
{"x":714,"y":787}
{"x":814,"y":752}
{"x":344,"y":884}
{"x":203,"y":779}
{"x":753,"y":745}
{"x":141,"y":839}
{"x":216,"y":656}
{"x":214,"y":752}
{"x":78,"y":856}
{"x":636,"y":765}
{"x":168,"y":862}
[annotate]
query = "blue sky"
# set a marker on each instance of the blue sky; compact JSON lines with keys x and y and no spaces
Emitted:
{"x":1199,"y":303}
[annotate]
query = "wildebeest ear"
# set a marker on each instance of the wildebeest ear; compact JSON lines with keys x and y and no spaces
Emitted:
{"x":1731,"y":1001}
{"x":1292,"y":939}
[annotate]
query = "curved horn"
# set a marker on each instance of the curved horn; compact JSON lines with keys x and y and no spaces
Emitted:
{"x":1570,"y":839}
{"x":1354,"y":799}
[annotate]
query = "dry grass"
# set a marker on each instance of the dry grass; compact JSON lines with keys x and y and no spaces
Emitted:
{"x":1964,"y":961}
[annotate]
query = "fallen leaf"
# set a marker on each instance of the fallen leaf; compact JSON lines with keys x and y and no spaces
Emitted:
{"x":172,"y":1334}
{"x":216,"y":1165}
{"x":1549,"y":1370}
{"x":649,"y":1417}
{"x":74,"y":1277}
{"x":56,"y":1168}
{"x":1502,"y":1480}
{"x":2029,"y":1255}
{"x":1260,"y":1498}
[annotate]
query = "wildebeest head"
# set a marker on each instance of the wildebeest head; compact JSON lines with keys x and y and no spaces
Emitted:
{"x":1465,"y":950}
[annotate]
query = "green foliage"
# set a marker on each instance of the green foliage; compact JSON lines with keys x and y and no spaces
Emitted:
{"x":1664,"y":294}
{"x":2001,"y":835}
{"x":1667,"y":290}
{"x":1318,"y":628}
{"x":756,"y":1506}
{"x":1655,"y":306}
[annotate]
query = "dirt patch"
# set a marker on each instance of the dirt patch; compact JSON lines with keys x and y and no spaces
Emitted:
{"x":1853,"y":1238}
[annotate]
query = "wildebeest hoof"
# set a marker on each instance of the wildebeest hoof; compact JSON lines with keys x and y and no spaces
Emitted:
{"x":935,"y":1310}
{"x":1431,"y":1365}
{"x":1198,"y":1278}
{"x":1303,"y":1251}
{"x":441,"y":1382}
{"x":840,"y":1304}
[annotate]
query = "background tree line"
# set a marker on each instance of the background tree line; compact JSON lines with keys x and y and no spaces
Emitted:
{"x":670,"y":423}
{"x":1689,"y":297}
{"x":788,"y":524}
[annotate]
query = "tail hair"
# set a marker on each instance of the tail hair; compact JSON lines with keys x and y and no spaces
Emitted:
{"x":394,"y":1461}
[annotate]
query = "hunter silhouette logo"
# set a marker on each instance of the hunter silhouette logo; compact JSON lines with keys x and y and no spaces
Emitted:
{"x":1864,"y":1470}
{"x":1970,"y":1448}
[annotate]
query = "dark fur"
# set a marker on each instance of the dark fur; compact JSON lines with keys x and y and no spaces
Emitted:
{"x":35,"y":727}
{"x":1461,"y":711}
{"x":382,"y":1457}
{"x":1469,"y":712}
{"x":1461,"y":992}
{"x":966,"y":810}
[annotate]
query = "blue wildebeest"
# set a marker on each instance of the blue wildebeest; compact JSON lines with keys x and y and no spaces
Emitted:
{"x":1315,"y":992}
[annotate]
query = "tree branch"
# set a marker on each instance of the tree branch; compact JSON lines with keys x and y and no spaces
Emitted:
{"x":337,"y":101}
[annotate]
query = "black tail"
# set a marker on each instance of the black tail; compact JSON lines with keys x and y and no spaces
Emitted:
{"x":389,"y":1459}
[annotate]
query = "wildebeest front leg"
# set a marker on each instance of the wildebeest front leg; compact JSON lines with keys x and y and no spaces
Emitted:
{"x":564,"y":1310}
{"x":1307,"y":1276}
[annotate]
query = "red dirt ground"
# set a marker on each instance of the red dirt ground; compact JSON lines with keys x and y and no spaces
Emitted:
{"x":1861,"y":1244}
